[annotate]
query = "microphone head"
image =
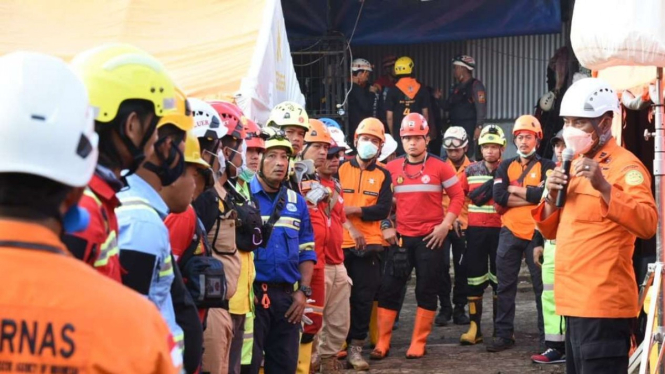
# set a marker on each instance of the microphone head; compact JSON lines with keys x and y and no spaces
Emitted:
{"x":568,"y":154}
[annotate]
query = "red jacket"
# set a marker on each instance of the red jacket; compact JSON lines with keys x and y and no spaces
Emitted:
{"x":419,"y":191}
{"x":97,"y":245}
{"x":333,"y":246}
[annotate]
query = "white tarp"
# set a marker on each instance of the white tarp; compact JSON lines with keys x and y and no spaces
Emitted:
{"x":271,"y":78}
{"x":608,"y":33}
{"x":212,"y":48}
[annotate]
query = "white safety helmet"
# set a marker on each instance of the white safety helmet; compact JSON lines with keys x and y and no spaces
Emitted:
{"x":455,"y":137}
{"x":389,"y":147}
{"x":360,"y":64}
{"x":207,"y":123}
{"x":547,"y":101}
{"x":47,"y":122}
{"x":589,"y":98}
{"x":339,"y":137}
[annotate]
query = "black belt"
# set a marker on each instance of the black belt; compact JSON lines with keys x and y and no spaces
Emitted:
{"x":282,"y":286}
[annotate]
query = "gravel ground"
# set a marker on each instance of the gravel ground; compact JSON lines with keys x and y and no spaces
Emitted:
{"x":445,"y":355}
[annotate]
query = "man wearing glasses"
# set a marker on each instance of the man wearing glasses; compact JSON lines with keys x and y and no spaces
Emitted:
{"x":518,"y":187}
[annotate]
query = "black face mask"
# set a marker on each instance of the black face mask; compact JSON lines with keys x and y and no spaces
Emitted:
{"x":166,"y":174}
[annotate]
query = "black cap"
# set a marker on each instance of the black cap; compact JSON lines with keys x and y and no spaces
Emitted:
{"x":557,"y":137}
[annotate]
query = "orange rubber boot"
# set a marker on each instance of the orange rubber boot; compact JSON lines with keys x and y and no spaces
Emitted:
{"x":385,"y":319}
{"x":421,"y":330}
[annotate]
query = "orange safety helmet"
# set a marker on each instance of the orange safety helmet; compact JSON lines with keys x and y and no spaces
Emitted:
{"x":371,"y":126}
{"x":231,"y":117}
{"x":414,"y":124}
{"x":530,"y":123}
{"x":318,"y":132}
{"x":253,"y":137}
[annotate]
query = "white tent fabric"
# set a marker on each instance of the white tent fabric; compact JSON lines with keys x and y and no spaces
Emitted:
{"x":271,"y":78}
{"x":608,"y":33}
{"x":212,"y":48}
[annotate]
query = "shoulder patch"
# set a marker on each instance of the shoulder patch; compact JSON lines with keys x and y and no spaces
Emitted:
{"x":634,"y":178}
{"x":481,"y":97}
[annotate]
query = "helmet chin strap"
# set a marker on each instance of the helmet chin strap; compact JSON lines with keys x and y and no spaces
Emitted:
{"x":602,"y":138}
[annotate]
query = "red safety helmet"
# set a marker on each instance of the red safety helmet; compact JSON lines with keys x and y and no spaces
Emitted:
{"x":253,"y":137}
{"x":231,"y":117}
{"x":414,"y":124}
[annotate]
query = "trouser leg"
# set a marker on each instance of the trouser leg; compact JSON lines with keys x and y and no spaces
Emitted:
{"x":508,"y":262}
{"x":365,"y":275}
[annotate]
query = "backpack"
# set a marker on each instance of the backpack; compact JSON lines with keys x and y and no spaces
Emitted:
{"x":248,"y":220}
{"x":203,"y":275}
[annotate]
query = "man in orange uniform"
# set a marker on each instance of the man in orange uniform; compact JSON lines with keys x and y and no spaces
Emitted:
{"x":608,"y":204}
{"x":368,"y":200}
{"x":455,"y":142}
{"x":58,"y":315}
{"x":419,"y":179}
{"x":317,"y":143}
{"x":407,"y":96}
{"x":122,"y":145}
{"x":518,"y":186}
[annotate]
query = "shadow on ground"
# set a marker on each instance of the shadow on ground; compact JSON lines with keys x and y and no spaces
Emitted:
{"x":445,"y":355}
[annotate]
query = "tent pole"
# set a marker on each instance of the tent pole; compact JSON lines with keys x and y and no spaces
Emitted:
{"x":659,"y":171}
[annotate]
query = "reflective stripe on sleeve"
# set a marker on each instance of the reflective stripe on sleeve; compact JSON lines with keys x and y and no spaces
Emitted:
{"x":451,"y":181}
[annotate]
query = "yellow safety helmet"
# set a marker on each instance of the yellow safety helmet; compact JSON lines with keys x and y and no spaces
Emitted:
{"x":289,"y":113}
{"x":181,"y":117}
{"x":403,"y":65}
{"x":276,"y":138}
{"x":193,"y":151}
{"x":492,"y":134}
{"x":114,"y":73}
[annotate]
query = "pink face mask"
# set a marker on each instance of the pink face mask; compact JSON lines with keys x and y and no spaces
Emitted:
{"x":577,"y":140}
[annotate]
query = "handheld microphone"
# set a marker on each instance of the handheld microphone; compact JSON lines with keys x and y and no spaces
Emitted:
{"x":567,"y":155}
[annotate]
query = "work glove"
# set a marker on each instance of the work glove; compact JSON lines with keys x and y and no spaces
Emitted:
{"x":316,"y":193}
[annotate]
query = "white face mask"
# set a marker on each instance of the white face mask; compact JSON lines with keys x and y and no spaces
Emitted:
{"x":577,"y":140}
{"x":526,"y":155}
{"x":222,"y":165}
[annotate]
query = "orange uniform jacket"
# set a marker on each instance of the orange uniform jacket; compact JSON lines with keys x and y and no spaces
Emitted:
{"x":464,"y":215}
{"x":370,"y":189}
{"x":593,"y":271}
{"x":518,"y":219}
{"x":59,"y":315}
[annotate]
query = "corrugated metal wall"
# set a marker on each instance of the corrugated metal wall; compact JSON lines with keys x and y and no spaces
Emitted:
{"x":513,"y":69}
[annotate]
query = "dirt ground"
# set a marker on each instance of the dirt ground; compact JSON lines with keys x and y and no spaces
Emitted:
{"x":445,"y":355}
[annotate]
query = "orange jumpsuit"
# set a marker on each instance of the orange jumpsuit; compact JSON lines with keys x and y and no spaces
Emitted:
{"x":593,"y":269}
{"x":60,"y":315}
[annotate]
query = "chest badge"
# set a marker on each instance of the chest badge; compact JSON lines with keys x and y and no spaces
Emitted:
{"x":291,"y":207}
{"x":371,"y":181}
{"x":425,"y":179}
{"x":400,"y":179}
{"x":533,"y":175}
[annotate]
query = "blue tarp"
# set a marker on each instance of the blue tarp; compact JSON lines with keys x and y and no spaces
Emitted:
{"x":415,"y":21}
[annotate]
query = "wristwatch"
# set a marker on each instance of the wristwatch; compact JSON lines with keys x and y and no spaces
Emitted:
{"x":306,"y":290}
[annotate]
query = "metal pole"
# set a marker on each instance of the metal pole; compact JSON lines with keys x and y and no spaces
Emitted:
{"x":659,"y":171}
